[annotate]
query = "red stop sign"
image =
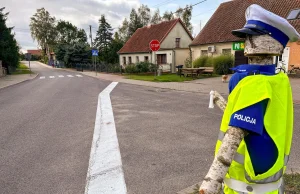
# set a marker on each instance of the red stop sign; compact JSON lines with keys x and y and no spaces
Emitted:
{"x":154,"y":45}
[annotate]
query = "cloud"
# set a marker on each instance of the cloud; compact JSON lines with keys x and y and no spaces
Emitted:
{"x":81,"y":13}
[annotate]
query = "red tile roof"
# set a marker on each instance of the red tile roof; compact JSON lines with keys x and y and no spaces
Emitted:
{"x":35,"y":52}
{"x":231,"y":16}
{"x":139,"y":41}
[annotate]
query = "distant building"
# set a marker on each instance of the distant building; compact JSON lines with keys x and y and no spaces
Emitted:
{"x":35,"y":52}
{"x":216,"y":37}
{"x":174,"y":45}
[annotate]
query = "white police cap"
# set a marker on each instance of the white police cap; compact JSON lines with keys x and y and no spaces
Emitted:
{"x":261,"y":21}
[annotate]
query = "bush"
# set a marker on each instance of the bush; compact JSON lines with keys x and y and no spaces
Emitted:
{"x":203,"y":61}
{"x":153,"y":67}
{"x":222,"y":64}
{"x":35,"y":57}
{"x":112,"y":68}
{"x":142,"y":67}
{"x":130,"y":69}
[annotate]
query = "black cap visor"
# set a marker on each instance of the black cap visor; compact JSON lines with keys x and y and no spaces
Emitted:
{"x":241,"y":33}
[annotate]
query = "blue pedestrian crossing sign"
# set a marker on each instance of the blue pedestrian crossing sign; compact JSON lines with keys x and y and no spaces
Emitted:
{"x":94,"y":52}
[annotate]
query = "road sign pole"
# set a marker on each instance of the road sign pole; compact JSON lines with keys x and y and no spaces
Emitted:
{"x":155,"y":46}
{"x":29,"y":68}
{"x":96,"y":64}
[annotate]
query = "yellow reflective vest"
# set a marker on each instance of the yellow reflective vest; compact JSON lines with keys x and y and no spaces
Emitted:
{"x":278,"y":122}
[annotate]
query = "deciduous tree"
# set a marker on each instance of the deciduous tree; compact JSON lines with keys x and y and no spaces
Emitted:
{"x":134,"y":23}
{"x":123,"y":31}
{"x":156,"y":17}
{"x":42,"y":26}
{"x":168,"y":16}
{"x":144,"y":14}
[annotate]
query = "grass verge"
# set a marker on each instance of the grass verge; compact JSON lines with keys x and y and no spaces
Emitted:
{"x":164,"y":78}
{"x":22,"y":69}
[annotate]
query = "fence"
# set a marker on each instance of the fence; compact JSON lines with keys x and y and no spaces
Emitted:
{"x":99,"y":67}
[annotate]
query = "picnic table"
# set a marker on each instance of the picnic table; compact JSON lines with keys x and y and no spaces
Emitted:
{"x":194,"y":72}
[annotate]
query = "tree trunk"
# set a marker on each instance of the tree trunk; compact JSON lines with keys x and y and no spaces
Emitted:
{"x":260,"y":50}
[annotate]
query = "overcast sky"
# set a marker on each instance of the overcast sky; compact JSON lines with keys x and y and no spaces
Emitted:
{"x":83,"y":13}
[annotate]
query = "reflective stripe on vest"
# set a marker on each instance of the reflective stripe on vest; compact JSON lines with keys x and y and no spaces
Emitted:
{"x":240,"y":186}
{"x":239,"y":158}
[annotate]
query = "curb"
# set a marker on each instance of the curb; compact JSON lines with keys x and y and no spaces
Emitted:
{"x":21,"y":82}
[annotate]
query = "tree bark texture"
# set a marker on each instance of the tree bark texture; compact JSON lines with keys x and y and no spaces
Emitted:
{"x":263,"y":45}
{"x":260,"y":50}
{"x":219,"y":101}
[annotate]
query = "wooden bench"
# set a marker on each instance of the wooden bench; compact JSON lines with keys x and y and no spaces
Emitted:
{"x":208,"y":70}
{"x":194,"y":72}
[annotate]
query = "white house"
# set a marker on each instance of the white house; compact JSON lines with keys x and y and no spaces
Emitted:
{"x":174,"y":45}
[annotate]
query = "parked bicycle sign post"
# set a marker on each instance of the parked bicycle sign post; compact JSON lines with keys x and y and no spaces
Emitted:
{"x":94,"y":58}
{"x":28,"y":58}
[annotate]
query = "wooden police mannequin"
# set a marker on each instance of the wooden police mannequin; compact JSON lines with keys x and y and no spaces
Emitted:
{"x":260,"y":50}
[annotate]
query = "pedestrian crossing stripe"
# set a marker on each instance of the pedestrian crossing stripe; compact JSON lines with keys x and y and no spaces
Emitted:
{"x":60,"y":76}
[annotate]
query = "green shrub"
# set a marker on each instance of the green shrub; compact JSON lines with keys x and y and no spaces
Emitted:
{"x":222,"y":64}
{"x":130,"y":69}
{"x":142,"y":67}
{"x":113,"y":68}
{"x":209,"y":62}
{"x":203,"y":61}
{"x":153,"y":67}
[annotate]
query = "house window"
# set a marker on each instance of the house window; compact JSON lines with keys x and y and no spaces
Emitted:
{"x":137,"y":59}
{"x":129,"y":60}
{"x":226,"y":51}
{"x":124,"y":60}
{"x":294,"y":14}
{"x":177,"y":42}
{"x":204,"y":53}
{"x":162,"y":59}
{"x":146,"y":58}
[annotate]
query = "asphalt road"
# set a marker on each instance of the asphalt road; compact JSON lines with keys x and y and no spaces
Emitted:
{"x":167,"y":138}
{"x":46,"y":133}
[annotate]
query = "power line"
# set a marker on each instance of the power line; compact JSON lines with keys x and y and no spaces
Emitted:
{"x":204,"y":12}
{"x":190,"y":6}
{"x":163,"y":3}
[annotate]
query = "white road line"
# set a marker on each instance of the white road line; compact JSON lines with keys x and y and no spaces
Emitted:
{"x":70,"y":75}
{"x":43,"y":77}
{"x":61,"y":76}
{"x":51,"y":77}
{"x":105,"y":173}
{"x":79,"y":75}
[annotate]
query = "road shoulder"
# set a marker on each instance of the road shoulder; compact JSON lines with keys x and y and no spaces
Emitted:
{"x":11,"y":80}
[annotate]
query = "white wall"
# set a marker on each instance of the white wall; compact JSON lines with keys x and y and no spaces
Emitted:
{"x":177,"y":32}
{"x":141,"y":57}
{"x":169,"y":54}
{"x":196,"y":50}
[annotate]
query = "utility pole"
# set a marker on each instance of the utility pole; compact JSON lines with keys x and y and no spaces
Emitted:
{"x":91,"y":36}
